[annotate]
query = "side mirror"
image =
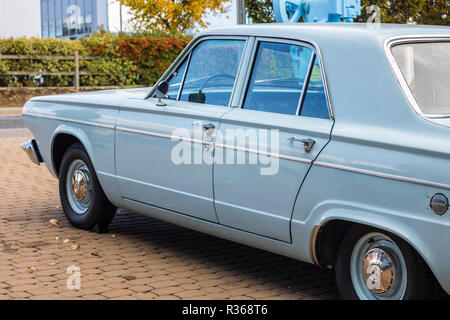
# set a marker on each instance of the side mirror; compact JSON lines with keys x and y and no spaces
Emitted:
{"x":161,"y":92}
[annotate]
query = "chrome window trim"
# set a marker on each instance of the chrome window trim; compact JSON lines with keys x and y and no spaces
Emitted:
{"x":383,"y":175}
{"x":188,"y":62}
{"x":306,"y":85}
{"x":394,"y":41}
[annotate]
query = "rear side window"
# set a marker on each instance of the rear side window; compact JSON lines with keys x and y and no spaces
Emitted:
{"x":279,"y":74}
{"x":426,"y":70}
{"x":212,"y":72}
{"x":287,"y":79}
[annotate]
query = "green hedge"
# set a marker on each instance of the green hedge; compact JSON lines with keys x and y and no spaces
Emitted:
{"x":123,"y":60}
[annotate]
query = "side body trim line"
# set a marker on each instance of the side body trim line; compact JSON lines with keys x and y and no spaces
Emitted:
{"x":383,"y":175}
{"x":89,"y":123}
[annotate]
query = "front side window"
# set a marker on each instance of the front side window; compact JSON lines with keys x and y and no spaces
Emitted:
{"x":212,"y":72}
{"x":426,"y":70}
{"x":279,"y":74}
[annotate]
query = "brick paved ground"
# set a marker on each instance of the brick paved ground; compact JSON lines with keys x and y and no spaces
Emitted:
{"x":141,"y":259}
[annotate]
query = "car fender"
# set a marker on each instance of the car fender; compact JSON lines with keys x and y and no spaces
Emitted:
{"x":77,"y":133}
{"x":411,"y":229}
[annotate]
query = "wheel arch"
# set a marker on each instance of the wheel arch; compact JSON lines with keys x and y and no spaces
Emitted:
{"x":327,"y":235}
{"x":63,"y":137}
{"x":334,"y":227}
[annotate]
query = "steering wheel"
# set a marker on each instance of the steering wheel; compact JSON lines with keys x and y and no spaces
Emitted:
{"x":219,"y":75}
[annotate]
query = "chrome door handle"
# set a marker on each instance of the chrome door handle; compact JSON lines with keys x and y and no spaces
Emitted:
{"x":208,"y":127}
{"x":308,"y":144}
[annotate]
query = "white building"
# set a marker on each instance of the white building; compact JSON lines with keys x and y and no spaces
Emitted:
{"x":20,"y":18}
{"x":74,"y":19}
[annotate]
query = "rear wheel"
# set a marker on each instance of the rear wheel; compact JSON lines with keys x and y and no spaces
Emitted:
{"x":82,"y":196}
{"x":377,"y":265}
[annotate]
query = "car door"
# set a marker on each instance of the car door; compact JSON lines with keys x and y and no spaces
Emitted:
{"x":160,"y":148}
{"x":265,"y":149}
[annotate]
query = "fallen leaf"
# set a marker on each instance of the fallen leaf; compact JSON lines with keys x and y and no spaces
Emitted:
{"x":52,"y":263}
{"x":31,"y":269}
{"x":95,"y":254}
{"x":74,"y":247}
{"x":53,"y":222}
{"x":66,"y":241}
{"x":129,"y":278}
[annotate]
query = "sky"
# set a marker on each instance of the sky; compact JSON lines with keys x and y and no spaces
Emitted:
{"x":225,"y":19}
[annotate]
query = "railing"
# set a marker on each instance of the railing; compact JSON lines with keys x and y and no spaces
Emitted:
{"x":76,"y":74}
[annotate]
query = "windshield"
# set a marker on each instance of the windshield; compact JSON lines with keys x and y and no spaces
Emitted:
{"x":426,"y":69}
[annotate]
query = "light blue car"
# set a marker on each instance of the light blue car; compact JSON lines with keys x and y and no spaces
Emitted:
{"x":327,"y":143}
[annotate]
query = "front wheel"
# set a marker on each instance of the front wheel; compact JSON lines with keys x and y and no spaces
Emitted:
{"x":82,"y":196}
{"x":376,"y":265}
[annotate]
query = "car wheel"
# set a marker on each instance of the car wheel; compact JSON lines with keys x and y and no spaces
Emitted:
{"x":377,"y":265}
{"x":82,"y":196}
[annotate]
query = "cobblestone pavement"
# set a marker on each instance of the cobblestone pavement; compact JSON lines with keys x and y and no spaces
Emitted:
{"x":140,"y":259}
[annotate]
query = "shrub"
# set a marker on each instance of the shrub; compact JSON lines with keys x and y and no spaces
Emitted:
{"x":123,"y":60}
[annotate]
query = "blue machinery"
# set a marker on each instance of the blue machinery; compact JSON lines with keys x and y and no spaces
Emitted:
{"x":290,"y":11}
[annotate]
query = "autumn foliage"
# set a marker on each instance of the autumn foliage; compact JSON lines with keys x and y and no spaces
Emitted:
{"x":173,"y":15}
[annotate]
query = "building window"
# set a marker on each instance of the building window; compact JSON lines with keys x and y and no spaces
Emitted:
{"x":71,"y":18}
{"x":59,"y":28}
{"x":51,"y":33}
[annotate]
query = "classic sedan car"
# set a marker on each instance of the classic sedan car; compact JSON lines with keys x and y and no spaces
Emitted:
{"x":327,"y":143}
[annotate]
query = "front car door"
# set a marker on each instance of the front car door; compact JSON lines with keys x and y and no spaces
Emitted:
{"x":161,"y":150}
{"x":265,"y":148}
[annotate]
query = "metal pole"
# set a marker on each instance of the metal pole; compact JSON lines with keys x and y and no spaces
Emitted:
{"x":241,"y":17}
{"x":121,"y":20}
{"x":77,"y":71}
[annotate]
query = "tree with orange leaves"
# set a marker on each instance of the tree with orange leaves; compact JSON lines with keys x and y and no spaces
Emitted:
{"x":173,"y":15}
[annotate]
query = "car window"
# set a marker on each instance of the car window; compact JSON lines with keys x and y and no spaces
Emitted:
{"x":175,"y":81}
{"x":315,"y":104}
{"x":212,"y":72}
{"x":278,"y":78}
{"x":426,"y":69}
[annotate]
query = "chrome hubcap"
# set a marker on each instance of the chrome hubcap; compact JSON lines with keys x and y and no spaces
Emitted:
{"x":79,"y":186}
{"x":378,"y":269}
{"x":378,"y":272}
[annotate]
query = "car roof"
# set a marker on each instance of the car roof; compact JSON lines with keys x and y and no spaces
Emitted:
{"x":362,"y":85}
{"x":319,"y":32}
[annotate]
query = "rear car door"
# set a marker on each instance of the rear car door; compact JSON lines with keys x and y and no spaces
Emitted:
{"x":265,"y":148}
{"x":160,"y":150}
